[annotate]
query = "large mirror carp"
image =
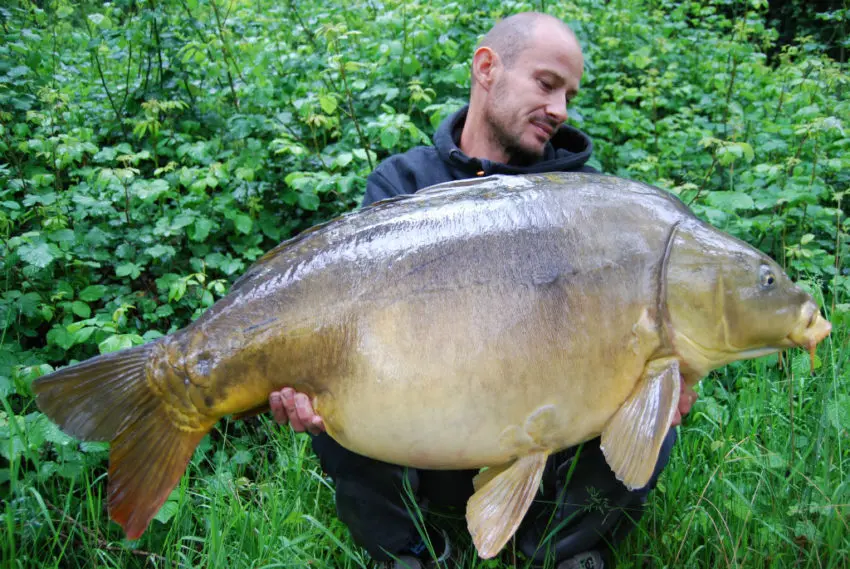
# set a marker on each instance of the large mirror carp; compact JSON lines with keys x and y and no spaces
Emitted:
{"x":481,"y":323}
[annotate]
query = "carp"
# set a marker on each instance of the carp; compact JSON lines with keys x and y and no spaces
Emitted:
{"x":484,"y":323}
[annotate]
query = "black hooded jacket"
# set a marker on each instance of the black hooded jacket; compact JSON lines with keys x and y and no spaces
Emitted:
{"x":423,"y":166}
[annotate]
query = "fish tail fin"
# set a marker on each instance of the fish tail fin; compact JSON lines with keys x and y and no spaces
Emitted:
{"x":108,"y":398}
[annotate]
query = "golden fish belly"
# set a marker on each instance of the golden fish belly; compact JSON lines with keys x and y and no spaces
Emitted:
{"x":458,"y":381}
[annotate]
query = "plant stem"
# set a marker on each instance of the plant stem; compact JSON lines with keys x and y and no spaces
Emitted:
{"x":118,"y":111}
{"x":224,"y":55}
{"x":733,"y":74}
{"x":705,"y":180}
{"x":155,"y":33}
{"x":363,"y":142}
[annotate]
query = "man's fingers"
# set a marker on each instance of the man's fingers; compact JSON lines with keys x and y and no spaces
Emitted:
{"x":289,"y":403}
{"x":304,"y":411}
{"x":687,"y":396}
{"x":317,"y":427}
{"x":278,"y":410}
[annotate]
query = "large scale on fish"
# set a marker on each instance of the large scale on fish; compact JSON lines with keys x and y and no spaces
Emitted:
{"x":485,"y":324}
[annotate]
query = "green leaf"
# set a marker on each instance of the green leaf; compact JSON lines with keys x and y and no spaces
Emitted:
{"x":201,"y":229}
{"x":389,"y":137}
{"x":308,"y":201}
{"x":838,"y":412}
{"x":119,"y":342}
{"x":160,"y":251}
{"x":59,"y":336}
{"x":131,"y":269}
{"x":243,"y":223}
{"x":81,"y":309}
{"x":343,"y":160}
{"x":730,"y":201}
{"x":92,"y":447}
{"x":242,"y":457}
{"x":328,"y":103}
{"x":92,"y":293}
{"x":166,"y":512}
{"x":39,"y":254}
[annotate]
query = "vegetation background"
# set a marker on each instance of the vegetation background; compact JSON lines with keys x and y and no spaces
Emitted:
{"x":151,"y":150}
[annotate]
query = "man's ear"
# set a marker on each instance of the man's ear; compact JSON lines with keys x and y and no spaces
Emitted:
{"x":486,"y":66}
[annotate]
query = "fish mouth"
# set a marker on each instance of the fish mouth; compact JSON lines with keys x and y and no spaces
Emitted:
{"x":812,"y":330}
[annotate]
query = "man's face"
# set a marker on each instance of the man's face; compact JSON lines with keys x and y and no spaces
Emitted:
{"x":528,"y":101}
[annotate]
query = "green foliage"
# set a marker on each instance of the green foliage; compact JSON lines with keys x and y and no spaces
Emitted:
{"x":151,"y":151}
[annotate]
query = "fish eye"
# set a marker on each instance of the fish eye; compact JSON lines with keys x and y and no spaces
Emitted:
{"x":767,"y":278}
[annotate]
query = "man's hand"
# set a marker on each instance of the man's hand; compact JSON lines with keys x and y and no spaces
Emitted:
{"x":297,"y":410}
{"x":687,"y":397}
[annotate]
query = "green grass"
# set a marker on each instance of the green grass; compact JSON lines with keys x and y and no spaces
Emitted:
{"x":759,"y":478}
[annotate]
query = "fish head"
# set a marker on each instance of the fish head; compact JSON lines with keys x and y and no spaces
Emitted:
{"x":727,"y":301}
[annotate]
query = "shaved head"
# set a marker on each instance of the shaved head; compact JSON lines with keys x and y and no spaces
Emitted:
{"x":511,"y":36}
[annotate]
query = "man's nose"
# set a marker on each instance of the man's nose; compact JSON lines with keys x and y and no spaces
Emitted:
{"x":557,"y":108}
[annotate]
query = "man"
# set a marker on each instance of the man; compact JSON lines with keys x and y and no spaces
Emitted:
{"x":524,"y":74}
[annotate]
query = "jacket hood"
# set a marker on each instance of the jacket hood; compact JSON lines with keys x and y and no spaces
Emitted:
{"x":569,"y":149}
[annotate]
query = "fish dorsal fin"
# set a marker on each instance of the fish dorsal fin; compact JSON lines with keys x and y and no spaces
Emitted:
{"x":496,"y":509}
{"x":632,"y":438}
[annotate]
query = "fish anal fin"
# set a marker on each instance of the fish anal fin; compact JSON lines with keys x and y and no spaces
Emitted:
{"x":495,"y":511}
{"x":146,"y":462}
{"x":633,"y":437}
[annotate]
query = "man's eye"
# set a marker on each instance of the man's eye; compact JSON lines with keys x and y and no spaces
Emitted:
{"x":545,"y":85}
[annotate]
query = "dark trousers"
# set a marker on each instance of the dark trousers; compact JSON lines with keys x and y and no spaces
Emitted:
{"x":579,"y":508}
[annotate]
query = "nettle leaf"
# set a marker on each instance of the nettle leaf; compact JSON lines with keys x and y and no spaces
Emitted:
{"x":41,"y":430}
{"x":39,"y":254}
{"x":28,"y":303}
{"x":838,"y":412}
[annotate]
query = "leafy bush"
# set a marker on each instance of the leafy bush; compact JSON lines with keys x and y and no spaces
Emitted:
{"x":152,"y":151}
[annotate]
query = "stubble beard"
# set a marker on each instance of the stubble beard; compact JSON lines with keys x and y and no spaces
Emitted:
{"x":500,"y":134}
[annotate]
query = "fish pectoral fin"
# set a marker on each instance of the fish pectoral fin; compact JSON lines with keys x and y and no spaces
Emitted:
{"x":496,"y":509}
{"x":632,"y":438}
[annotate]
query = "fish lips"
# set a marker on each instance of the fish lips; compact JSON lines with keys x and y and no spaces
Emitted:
{"x":810,"y":334}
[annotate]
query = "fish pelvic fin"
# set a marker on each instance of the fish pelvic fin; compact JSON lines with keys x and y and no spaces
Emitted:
{"x":501,"y":500}
{"x":109,"y":398}
{"x":632,"y":439}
